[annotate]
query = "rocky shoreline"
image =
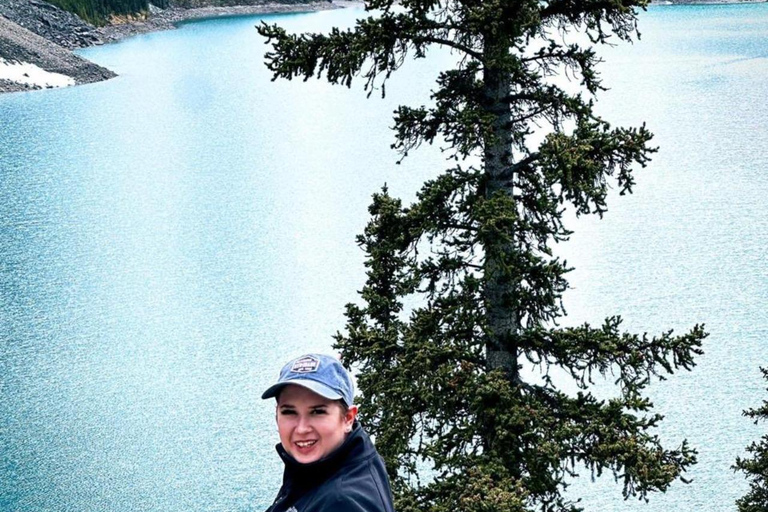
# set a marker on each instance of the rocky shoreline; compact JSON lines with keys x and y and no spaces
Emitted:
{"x":168,"y":18}
{"x":37,"y":38}
{"x":29,"y":61}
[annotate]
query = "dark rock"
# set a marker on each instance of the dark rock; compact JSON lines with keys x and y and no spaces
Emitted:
{"x":50,"y":22}
{"x":9,"y":86}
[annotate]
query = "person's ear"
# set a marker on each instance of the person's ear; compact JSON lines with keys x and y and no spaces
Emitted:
{"x":349,"y":418}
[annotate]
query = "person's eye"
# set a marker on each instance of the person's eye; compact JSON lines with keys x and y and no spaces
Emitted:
{"x":319,"y":411}
{"x":287,"y":412}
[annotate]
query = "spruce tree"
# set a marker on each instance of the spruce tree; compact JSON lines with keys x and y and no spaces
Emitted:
{"x":755,"y":467}
{"x":460,"y":426}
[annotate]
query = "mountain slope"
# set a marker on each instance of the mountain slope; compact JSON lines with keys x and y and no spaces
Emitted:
{"x":29,"y":61}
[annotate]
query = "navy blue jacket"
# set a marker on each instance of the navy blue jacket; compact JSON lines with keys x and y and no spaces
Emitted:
{"x":351,"y":479}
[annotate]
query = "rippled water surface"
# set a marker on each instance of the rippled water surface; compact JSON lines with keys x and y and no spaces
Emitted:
{"x":169,"y":237}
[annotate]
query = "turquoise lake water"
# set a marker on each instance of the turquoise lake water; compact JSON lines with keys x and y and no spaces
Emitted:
{"x":168,"y":238}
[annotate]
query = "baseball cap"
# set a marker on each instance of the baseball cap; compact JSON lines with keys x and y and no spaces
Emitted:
{"x":319,"y":373}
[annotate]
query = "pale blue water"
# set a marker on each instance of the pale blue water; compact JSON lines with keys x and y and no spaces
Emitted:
{"x":169,"y":237}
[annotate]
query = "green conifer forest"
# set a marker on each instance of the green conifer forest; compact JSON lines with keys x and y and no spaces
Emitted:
{"x":99,"y":11}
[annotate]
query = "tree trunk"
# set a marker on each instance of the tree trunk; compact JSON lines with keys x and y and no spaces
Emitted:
{"x":502,"y":316}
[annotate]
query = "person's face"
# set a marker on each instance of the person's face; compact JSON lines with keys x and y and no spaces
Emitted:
{"x":311,"y":426}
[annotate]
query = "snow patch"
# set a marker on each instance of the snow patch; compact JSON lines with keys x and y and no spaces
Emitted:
{"x":26,"y":73}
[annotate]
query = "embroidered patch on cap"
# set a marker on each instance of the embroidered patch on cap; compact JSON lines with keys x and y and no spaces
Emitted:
{"x":306,"y":364}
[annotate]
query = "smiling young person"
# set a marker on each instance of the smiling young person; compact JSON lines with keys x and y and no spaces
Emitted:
{"x":330,"y":462}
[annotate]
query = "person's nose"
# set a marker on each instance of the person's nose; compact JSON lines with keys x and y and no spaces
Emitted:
{"x":304,"y":426}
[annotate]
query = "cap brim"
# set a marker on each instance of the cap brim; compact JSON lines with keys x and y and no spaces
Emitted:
{"x":315,"y":387}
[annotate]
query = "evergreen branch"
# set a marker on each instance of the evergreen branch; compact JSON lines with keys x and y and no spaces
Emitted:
{"x":592,"y":14}
{"x":579,"y":163}
{"x":478,"y":56}
{"x":755,"y":467}
{"x":584,"y":350}
{"x":510,"y":172}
